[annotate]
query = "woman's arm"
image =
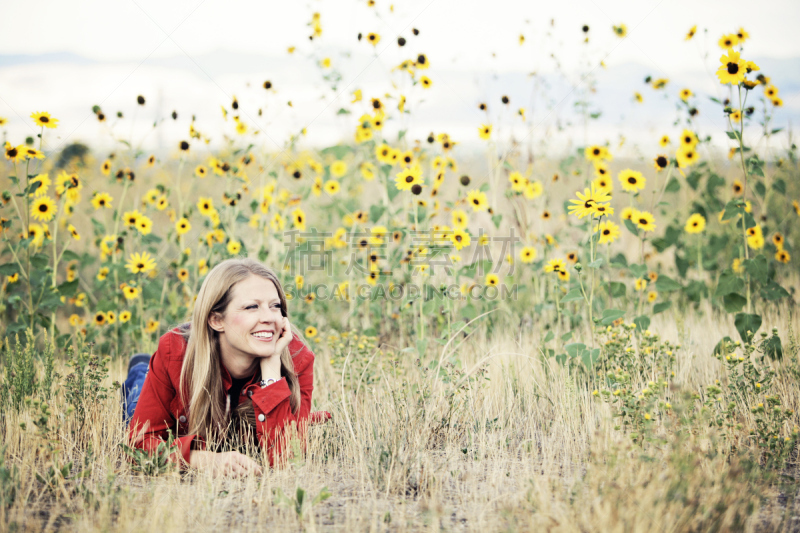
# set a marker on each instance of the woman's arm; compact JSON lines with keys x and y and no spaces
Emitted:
{"x":152,"y":418}
{"x":272,"y":406}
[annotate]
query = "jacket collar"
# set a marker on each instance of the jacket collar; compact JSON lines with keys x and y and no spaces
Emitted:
{"x":227,"y":380}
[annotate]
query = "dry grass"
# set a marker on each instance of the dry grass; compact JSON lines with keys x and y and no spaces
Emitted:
{"x":527,"y":449}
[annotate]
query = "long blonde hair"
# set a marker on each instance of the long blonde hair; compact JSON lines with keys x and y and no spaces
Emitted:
{"x":201,"y":387}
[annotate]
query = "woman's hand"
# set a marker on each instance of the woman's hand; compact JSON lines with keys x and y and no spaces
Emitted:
{"x":232,"y":464}
{"x":271,"y":366}
{"x":285,"y":337}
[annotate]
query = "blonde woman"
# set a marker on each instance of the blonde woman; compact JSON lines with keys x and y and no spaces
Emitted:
{"x":235,"y":375}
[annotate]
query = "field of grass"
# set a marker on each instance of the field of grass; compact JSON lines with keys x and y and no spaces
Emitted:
{"x":501,"y":438}
{"x":602,"y":340}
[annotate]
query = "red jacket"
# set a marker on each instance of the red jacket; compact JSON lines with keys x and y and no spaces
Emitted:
{"x":161,"y":408}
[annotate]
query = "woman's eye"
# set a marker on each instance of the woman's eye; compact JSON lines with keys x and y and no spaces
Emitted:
{"x":251,"y":306}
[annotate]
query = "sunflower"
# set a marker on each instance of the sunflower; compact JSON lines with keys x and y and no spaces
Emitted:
{"x":32,"y":153}
{"x":688,"y":139}
{"x":161,"y":203}
{"x":338,"y":168}
{"x":124,"y":316}
{"x":603,"y":210}
{"x":200,"y":171}
{"x":183,"y":146}
{"x":691,"y":32}
{"x":733,"y":68}
{"x":587,"y":202}
{"x":563,"y":275}
{"x":518,"y":181}
{"x":777,"y":101}
{"x":144,"y":225}
{"x":527,"y":254}
{"x":102,"y":199}
{"x":234,"y":247}
{"x":660,"y":162}
{"x":736,"y":116}
{"x":140,"y":262}
{"x":533,"y":189}
{"x":205,"y":206}
{"x":546,"y":215}
{"x":728,"y":41}
{"x":777,"y":240}
{"x":686,"y":156}
{"x":695,"y":224}
{"x":43,"y":209}
{"x":408,"y":177}
{"x":555,"y":265}
{"x":331,"y":187}
{"x":621,"y":30}
{"x":631,"y":180}
{"x":638,"y":97}
{"x":644,"y":220}
{"x":299,"y":219}
{"x":14,"y":153}
{"x":99,"y":318}
{"x":367,"y":170}
{"x":609,"y":232}
{"x":783,"y":256}
{"x":770,"y":91}
{"x":492,"y":280}
{"x":131,"y":293}
{"x":182,"y":226}
{"x":477,"y":199}
{"x":43,"y":118}
{"x":426,"y":82}
{"x":460,"y":238}
{"x":485,"y":131}
{"x":640,"y":285}
{"x":459,"y":218}
{"x":603,"y":183}
{"x":596,"y":153}
{"x":422,"y":62}
{"x":44,"y":184}
{"x":664,"y":141}
{"x":36,"y":233}
{"x":311,"y":332}
{"x":74,"y":232}
{"x":310,"y":297}
{"x":685,"y":94}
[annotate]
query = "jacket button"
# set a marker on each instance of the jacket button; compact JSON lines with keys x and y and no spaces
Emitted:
{"x":249,"y":394}
{"x":261,"y":417}
{"x":182,"y":419}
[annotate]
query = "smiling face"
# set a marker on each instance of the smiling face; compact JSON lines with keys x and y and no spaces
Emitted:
{"x":250,"y":325}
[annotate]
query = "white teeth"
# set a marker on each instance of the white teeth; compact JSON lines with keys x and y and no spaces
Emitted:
{"x":263,"y":335}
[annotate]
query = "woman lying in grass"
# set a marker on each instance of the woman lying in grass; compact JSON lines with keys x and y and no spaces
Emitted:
{"x":234,"y":378}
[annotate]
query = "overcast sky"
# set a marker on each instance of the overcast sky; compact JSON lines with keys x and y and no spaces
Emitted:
{"x":456,"y":35}
{"x":469,"y":30}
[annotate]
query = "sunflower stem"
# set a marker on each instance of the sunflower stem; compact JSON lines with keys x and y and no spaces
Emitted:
{"x":744,"y":196}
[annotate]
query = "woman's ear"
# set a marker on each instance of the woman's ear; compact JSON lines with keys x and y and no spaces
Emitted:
{"x":215,"y":322}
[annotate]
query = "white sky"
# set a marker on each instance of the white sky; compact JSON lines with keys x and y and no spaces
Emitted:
{"x":468,"y":29}
{"x":456,"y":35}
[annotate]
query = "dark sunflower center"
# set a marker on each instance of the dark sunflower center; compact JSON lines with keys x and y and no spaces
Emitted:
{"x":606,"y":232}
{"x":458,"y":238}
{"x":643,"y":221}
{"x":596,"y":151}
{"x":632,"y":180}
{"x":139,"y":265}
{"x":44,"y":119}
{"x":661,"y":161}
{"x":300,"y":219}
{"x":733,"y":68}
{"x":476,"y":201}
{"x":43,"y":208}
{"x":409,"y":179}
{"x":12,"y":152}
